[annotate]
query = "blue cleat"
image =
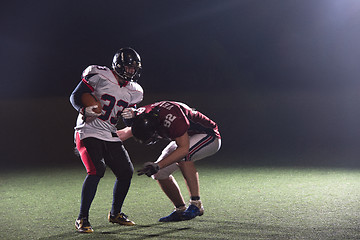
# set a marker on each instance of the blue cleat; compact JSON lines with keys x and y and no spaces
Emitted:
{"x":175,"y":216}
{"x":195,"y":209}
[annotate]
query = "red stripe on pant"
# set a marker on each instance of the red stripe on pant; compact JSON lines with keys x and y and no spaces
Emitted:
{"x":85,"y":157}
{"x":197,"y":148}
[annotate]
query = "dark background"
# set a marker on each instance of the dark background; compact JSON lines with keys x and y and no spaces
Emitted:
{"x":280,"y":77}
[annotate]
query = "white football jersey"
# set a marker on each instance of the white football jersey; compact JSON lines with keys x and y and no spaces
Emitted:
{"x":114,"y":99}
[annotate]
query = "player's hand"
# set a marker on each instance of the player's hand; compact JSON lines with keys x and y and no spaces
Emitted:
{"x":90,"y":113}
{"x":128,"y":113}
{"x":149,"y":168}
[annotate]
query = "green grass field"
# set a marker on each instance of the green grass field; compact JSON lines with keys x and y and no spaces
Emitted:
{"x":240,"y":203}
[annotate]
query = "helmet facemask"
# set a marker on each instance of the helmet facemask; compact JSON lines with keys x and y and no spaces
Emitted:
{"x":151,"y":140}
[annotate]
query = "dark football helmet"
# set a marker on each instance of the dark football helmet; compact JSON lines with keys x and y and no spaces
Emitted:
{"x":127,"y":57}
{"x":144,"y":128}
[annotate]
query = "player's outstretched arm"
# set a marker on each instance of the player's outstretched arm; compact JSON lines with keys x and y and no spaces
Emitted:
{"x":124,"y":133}
{"x":128,"y":113}
{"x":183,"y":145}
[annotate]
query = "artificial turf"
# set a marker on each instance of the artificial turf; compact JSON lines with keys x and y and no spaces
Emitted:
{"x":240,"y":203}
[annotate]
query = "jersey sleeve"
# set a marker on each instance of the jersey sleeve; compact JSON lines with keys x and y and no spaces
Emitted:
{"x":90,"y":76}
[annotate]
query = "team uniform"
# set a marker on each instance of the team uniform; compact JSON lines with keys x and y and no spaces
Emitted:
{"x":177,"y":118}
{"x":95,"y":137}
{"x":114,"y":98}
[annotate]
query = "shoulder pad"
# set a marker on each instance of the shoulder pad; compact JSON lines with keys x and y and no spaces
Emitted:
{"x":137,"y":92}
{"x":134,"y":86}
{"x":93,"y":70}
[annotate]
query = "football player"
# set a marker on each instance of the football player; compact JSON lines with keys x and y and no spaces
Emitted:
{"x":192,"y":135}
{"x":95,"y":132}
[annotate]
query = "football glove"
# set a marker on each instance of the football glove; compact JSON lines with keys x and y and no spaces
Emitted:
{"x":88,"y":113}
{"x":128,"y":113}
{"x":149,"y":168}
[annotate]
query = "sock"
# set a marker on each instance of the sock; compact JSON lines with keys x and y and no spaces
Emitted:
{"x":121,"y":188}
{"x":179,"y":206}
{"x":194,"y":198}
{"x":87,"y":194}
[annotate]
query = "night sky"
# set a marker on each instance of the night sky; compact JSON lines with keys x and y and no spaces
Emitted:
{"x":193,"y":45}
{"x":291,"y":67}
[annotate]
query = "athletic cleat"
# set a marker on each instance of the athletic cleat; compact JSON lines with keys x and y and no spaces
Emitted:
{"x":83,"y":225}
{"x":175,"y":216}
{"x":195,"y":209}
{"x":121,"y":219}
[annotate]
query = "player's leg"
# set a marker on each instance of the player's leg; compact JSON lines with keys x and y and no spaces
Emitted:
{"x":201,"y":146}
{"x":117,"y":158}
{"x":172,"y":190}
{"x":170,"y":187}
{"x":191,"y":177}
{"x":90,"y":150}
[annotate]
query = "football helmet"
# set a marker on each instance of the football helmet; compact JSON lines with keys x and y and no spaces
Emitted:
{"x":127,"y":57}
{"x":144,"y":128}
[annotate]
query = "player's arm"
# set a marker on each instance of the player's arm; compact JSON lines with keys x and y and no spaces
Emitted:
{"x":128,"y":115}
{"x":182,"y":150}
{"x":124,"y":133}
{"x":75,"y":97}
{"x":89,"y":79}
{"x":85,"y":103}
{"x":183,"y":145}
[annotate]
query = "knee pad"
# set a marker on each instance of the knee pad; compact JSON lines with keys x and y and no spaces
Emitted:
{"x":100,"y":171}
{"x":124,"y":174}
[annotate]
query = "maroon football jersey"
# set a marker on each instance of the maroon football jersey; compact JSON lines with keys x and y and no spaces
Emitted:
{"x":177,"y":118}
